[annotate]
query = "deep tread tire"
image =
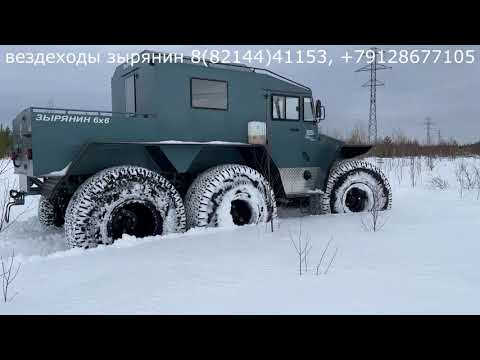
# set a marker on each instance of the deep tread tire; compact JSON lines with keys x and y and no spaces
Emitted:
{"x":315,"y":205}
{"x":47,"y":214}
{"x":350,"y":173}
{"x":88,"y":218}
{"x":209,"y":199}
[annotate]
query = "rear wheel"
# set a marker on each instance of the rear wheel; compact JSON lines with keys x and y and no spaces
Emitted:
{"x":123,"y":200}
{"x":48,"y":214}
{"x":356,"y":186}
{"x":229,"y":195}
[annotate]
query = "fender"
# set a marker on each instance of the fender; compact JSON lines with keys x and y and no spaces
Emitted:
{"x":344,"y":152}
{"x":171,"y":157}
{"x":352,"y":151}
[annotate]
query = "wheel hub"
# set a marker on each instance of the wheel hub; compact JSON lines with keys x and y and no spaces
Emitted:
{"x":356,"y":199}
{"x":126,"y":221}
{"x":135,"y":218}
{"x":241,"y":212}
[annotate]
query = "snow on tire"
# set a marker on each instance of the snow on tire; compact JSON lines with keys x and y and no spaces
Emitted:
{"x":47,"y":214}
{"x":228,"y":195}
{"x":122,"y":200}
{"x":356,"y":186}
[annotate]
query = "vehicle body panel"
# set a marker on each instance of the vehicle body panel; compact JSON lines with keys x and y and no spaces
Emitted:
{"x":167,"y":134}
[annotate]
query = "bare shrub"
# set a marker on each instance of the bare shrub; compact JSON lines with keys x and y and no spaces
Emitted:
{"x":399,"y":170}
{"x":358,"y":135}
{"x":9,"y":274}
{"x":437,"y":183}
{"x":476,"y":170}
{"x":469,"y":178}
{"x":412,"y":171}
{"x":418,"y":169}
{"x":430,"y":163}
{"x":318,"y":269}
{"x":374,"y":220}
{"x":4,"y":166}
{"x":466,"y":179}
{"x":302,"y":249}
{"x":459,"y":171}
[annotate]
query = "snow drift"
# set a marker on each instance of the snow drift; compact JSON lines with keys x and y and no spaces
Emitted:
{"x":423,"y":261}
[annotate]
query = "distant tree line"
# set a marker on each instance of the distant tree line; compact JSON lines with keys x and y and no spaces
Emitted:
{"x":389,"y":147}
{"x":5,"y":141}
{"x":400,"y":145}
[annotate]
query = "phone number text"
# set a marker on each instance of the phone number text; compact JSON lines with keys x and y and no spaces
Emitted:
{"x":321,"y":56}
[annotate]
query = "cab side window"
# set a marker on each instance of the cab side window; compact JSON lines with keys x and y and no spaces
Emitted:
{"x":278,"y":107}
{"x":130,"y":100}
{"x":285,"y":107}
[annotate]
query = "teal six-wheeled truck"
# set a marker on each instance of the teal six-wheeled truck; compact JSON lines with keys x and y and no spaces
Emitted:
{"x":187,"y":145}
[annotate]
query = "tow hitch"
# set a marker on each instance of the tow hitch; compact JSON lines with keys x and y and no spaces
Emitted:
{"x":18,"y":198}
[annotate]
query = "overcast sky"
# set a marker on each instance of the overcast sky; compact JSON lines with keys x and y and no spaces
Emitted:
{"x":448,"y":93}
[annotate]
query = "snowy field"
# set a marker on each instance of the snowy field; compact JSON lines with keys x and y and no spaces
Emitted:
{"x":424,"y":260}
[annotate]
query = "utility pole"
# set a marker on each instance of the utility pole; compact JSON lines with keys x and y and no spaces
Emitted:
{"x":373,"y":66}
{"x":439,"y":137}
{"x":428,"y":128}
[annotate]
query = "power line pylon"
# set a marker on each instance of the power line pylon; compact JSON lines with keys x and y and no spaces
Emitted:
{"x":428,"y":128}
{"x":373,"y":66}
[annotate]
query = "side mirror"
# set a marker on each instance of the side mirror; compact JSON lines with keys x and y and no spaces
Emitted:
{"x":319,"y":111}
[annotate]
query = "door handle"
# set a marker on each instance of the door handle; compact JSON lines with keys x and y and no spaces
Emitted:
{"x":294,"y":129}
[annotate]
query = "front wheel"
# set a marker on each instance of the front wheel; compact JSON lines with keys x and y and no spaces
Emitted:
{"x":123,"y":200}
{"x":356,"y":186}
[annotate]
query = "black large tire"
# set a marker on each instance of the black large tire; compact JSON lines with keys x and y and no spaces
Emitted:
{"x":356,"y":186}
{"x":122,"y":200}
{"x":229,"y":195}
{"x":315,"y":204}
{"x":48,"y":215}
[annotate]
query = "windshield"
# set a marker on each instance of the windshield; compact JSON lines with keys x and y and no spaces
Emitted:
{"x":308,"y":114}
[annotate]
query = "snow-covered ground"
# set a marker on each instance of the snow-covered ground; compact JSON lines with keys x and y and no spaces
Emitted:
{"x":425,"y":260}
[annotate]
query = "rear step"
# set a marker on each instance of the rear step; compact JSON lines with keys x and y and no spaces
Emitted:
{"x":18,"y":198}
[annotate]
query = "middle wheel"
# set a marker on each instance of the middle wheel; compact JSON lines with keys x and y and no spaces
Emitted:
{"x":228,"y":195}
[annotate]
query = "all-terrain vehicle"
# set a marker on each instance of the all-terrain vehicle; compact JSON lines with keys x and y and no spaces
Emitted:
{"x":187,"y":145}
